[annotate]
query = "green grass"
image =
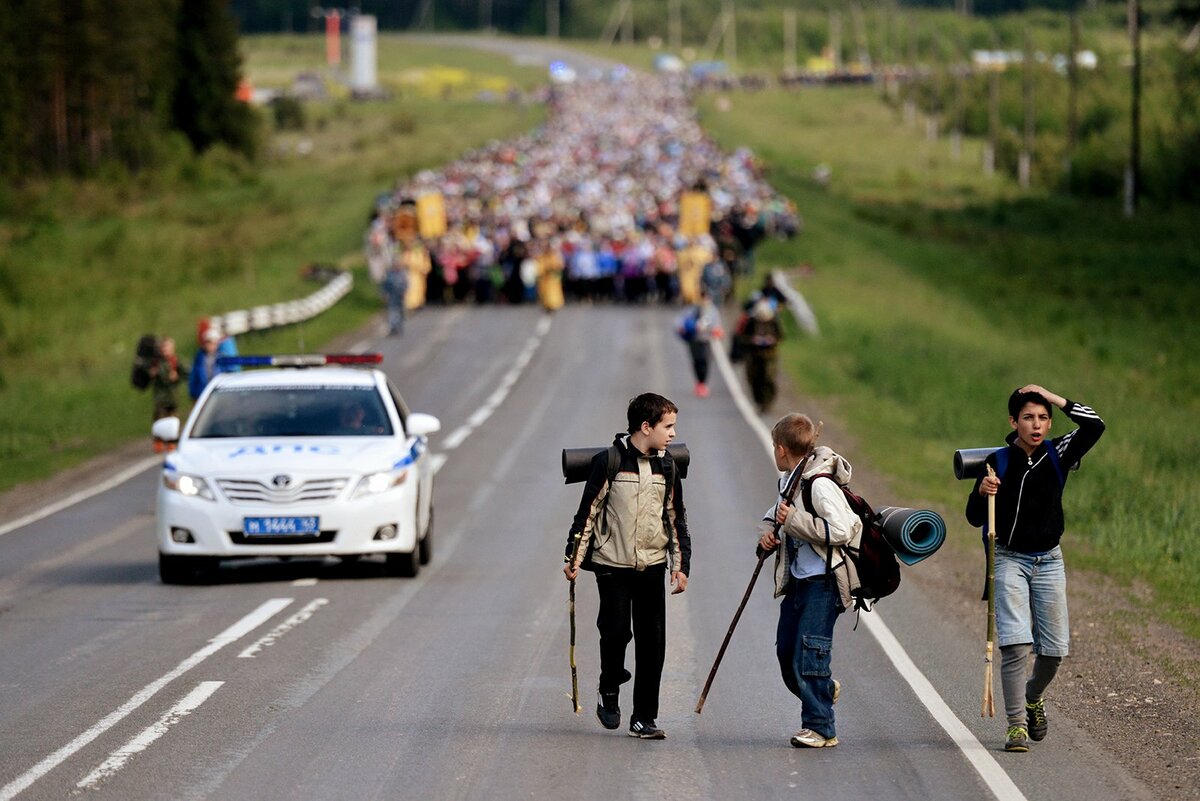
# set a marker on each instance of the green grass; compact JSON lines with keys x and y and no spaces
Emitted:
{"x":87,"y":268}
{"x":938,"y":291}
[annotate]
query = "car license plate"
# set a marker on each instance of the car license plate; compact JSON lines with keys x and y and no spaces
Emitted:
{"x":282,"y":526}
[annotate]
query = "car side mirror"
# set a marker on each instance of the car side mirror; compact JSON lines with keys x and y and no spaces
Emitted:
{"x":422,"y":425}
{"x":166,"y":429}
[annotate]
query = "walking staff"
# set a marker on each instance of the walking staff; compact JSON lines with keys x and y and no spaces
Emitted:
{"x":788,"y":494}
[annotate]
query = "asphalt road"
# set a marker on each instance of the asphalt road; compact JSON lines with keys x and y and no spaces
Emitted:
{"x":320,"y":680}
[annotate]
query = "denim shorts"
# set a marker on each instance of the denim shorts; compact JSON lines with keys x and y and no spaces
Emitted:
{"x":1031,"y":601}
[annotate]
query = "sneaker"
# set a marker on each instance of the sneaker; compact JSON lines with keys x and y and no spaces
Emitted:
{"x":1018,"y":739}
{"x":646,"y":730}
{"x":807,"y":738}
{"x":1035,"y":718}
{"x":837,"y":690}
{"x":608,"y":712}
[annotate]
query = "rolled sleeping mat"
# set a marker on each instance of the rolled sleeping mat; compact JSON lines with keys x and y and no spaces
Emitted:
{"x":577,"y":462}
{"x":968,"y":462}
{"x":914,"y":534}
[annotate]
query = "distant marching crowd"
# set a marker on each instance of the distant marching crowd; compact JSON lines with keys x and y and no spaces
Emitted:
{"x":585,"y":208}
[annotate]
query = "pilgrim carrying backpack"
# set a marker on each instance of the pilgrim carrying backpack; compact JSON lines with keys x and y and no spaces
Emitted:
{"x":874,"y":560}
{"x":143,"y":359}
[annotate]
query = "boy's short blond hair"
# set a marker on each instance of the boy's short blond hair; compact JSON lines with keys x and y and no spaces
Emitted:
{"x":796,"y":433}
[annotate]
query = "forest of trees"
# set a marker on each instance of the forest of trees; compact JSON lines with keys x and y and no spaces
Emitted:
{"x":87,"y":83}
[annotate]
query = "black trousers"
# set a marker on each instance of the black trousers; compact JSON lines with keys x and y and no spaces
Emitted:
{"x":633,"y":606}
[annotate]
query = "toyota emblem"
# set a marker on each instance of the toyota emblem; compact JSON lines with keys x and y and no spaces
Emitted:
{"x":281,"y":481}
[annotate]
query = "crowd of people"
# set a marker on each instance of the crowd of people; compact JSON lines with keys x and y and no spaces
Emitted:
{"x":588,"y":208}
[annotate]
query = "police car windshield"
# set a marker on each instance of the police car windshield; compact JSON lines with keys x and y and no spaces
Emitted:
{"x":293,"y":411}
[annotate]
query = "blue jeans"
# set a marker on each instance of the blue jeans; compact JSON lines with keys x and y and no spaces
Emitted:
{"x":804,"y":645}
{"x":1031,"y":601}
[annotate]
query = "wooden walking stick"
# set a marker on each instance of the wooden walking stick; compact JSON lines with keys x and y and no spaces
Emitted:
{"x":989,"y":708}
{"x":571,"y":604}
{"x":788,"y":494}
{"x":712,"y":674}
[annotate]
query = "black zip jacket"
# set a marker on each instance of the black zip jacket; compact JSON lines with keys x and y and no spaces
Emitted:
{"x":1029,"y":514}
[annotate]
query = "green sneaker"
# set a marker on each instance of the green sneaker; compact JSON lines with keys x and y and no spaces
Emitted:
{"x":1035,"y":717}
{"x":1018,"y":739}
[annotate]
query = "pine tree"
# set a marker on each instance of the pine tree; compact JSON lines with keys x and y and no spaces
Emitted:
{"x":207,"y":71}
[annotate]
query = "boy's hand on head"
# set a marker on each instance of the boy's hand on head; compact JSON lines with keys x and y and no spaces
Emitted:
{"x":678,"y":582}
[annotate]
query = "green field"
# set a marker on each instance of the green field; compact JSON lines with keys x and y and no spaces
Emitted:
{"x":938,"y":289}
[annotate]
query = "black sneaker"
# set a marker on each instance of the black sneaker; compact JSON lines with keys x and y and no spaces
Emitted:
{"x":608,"y":712}
{"x":1035,"y":718}
{"x":1018,"y":739}
{"x":646,"y":730}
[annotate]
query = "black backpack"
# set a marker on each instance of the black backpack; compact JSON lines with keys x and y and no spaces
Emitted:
{"x":143,"y":359}
{"x":874,"y":560}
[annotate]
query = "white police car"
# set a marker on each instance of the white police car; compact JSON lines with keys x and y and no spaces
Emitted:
{"x":312,"y":458}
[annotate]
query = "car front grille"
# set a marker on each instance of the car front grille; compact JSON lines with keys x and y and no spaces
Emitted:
{"x":250,"y":491}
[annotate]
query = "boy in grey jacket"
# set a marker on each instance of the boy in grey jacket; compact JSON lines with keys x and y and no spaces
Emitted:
{"x":812,"y":573}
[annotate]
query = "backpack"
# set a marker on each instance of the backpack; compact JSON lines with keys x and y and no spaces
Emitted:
{"x":144,"y":357}
{"x":874,"y":560}
{"x":614,"y":466}
{"x":687,"y":325}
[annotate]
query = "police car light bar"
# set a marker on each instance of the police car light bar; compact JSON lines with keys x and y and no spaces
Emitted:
{"x":300,"y":360}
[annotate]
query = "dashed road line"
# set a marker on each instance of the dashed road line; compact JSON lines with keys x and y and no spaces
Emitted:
{"x":262,"y":614}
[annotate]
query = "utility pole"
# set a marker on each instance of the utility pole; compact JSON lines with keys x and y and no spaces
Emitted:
{"x":1133,"y":170}
{"x":835,"y":39}
{"x":730,"y":36}
{"x":674,"y":26}
{"x":989,"y":150}
{"x":552,"y":19}
{"x":789,"y":42}
{"x":1025,"y":159}
{"x":1072,"y":98}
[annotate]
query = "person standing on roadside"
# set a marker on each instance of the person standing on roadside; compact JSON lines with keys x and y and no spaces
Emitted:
{"x":166,"y":373}
{"x":1030,"y":577}
{"x":630,"y":529}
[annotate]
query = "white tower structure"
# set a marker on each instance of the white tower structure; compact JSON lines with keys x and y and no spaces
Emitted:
{"x":363,"y":76}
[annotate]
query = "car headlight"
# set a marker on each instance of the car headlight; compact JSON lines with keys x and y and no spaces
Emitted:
{"x":187,"y":485}
{"x":375,"y":483}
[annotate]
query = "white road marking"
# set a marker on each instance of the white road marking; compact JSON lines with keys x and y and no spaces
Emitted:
{"x":268,"y":639}
{"x":305,"y":582}
{"x":480,"y":415}
{"x":262,"y":614}
{"x":82,"y":495}
{"x":999,"y":782}
{"x":117,"y":759}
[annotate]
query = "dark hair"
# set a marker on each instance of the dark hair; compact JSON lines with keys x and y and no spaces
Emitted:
{"x":648,"y":408}
{"x":1017,"y":401}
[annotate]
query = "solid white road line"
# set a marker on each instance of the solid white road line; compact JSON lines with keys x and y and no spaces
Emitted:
{"x":268,"y":639}
{"x":989,"y":770}
{"x":235,"y":632}
{"x":117,"y":759}
{"x":82,"y":495}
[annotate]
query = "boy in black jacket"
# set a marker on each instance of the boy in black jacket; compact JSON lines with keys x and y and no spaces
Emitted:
{"x":630,"y":529}
{"x":1030,"y":580}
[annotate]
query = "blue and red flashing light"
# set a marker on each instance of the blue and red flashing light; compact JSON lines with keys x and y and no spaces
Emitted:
{"x":300,"y":360}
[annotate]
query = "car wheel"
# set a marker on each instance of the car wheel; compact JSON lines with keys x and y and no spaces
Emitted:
{"x":425,"y":548}
{"x":404,"y":565}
